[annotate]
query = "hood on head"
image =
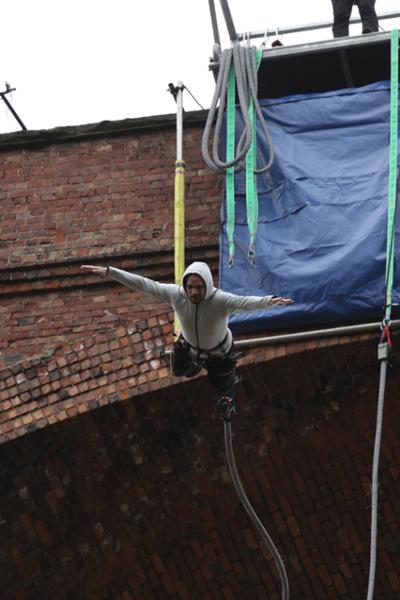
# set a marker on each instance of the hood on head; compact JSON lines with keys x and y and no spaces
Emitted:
{"x":202,"y":270}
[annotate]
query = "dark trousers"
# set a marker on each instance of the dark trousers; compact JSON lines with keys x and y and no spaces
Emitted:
{"x":342,"y":12}
{"x":221,"y":369}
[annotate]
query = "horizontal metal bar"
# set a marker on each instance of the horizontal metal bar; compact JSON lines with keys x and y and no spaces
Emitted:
{"x":289,"y":338}
{"x":326,"y":45}
{"x":316,"y":334}
{"x":310,"y":27}
{"x":321,"y":46}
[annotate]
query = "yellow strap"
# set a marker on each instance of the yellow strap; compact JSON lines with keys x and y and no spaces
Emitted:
{"x":179,"y":226}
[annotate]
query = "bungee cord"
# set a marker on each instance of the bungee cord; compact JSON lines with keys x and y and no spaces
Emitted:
{"x":243,"y":62}
{"x":251,"y":512}
{"x":220,"y":95}
{"x":238,"y":74}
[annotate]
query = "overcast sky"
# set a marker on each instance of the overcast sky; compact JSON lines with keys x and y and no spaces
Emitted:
{"x":83,"y":61}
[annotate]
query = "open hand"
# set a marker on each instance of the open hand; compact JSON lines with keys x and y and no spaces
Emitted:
{"x":95,"y":269}
{"x":278,"y":301}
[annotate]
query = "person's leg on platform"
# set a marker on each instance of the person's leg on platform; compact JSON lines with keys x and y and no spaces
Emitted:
{"x":368,"y":16}
{"x":341,"y":17}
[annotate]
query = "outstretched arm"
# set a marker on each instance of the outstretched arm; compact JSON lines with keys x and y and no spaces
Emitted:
{"x":236,"y":303}
{"x":165,"y":291}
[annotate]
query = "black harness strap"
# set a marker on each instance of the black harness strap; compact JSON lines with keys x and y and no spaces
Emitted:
{"x":200,"y":350}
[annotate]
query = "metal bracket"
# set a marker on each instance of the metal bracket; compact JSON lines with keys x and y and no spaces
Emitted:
{"x":9,"y":89}
{"x":383,"y":351}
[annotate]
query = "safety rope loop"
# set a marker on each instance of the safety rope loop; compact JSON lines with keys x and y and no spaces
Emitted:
{"x":245,"y":140}
{"x":219,"y":96}
{"x":237,"y":76}
{"x":246,"y":78}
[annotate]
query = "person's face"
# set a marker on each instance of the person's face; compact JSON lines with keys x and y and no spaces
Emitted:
{"x":195,"y":289}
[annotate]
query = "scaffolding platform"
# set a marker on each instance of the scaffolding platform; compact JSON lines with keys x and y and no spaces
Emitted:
{"x":318,"y":66}
{"x":324,"y":66}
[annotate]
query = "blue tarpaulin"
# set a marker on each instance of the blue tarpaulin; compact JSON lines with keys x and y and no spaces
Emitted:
{"x":321,"y":236}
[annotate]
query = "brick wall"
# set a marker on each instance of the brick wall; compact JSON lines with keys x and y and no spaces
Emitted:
{"x":106,"y":199}
{"x":133,"y":499}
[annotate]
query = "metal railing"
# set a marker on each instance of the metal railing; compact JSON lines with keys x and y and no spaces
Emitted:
{"x":291,"y":338}
{"x":310,"y":27}
{"x":265,"y":33}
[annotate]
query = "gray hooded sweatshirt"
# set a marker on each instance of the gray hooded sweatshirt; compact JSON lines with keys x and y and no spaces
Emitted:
{"x":205,"y":325}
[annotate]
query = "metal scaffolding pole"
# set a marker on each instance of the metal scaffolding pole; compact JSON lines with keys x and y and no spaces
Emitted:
{"x":310,"y":27}
{"x":228,"y":20}
{"x":290,"y":338}
{"x":9,"y":106}
{"x":179,"y":235}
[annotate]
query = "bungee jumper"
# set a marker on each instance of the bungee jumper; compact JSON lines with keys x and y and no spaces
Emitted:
{"x":204,"y":340}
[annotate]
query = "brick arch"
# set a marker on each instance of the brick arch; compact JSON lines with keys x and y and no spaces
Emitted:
{"x":110,"y":365}
{"x":133,"y":499}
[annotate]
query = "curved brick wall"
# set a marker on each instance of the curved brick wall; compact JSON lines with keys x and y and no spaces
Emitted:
{"x":114,"y":483}
{"x":132,"y":499}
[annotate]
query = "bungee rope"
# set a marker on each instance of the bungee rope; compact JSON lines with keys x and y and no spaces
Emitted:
{"x":384,"y":346}
{"x":220,"y":95}
{"x":238,"y":73}
{"x":248,"y":507}
{"x":245,"y":77}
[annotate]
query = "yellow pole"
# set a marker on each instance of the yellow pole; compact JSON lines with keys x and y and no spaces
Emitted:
{"x":179,"y":235}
